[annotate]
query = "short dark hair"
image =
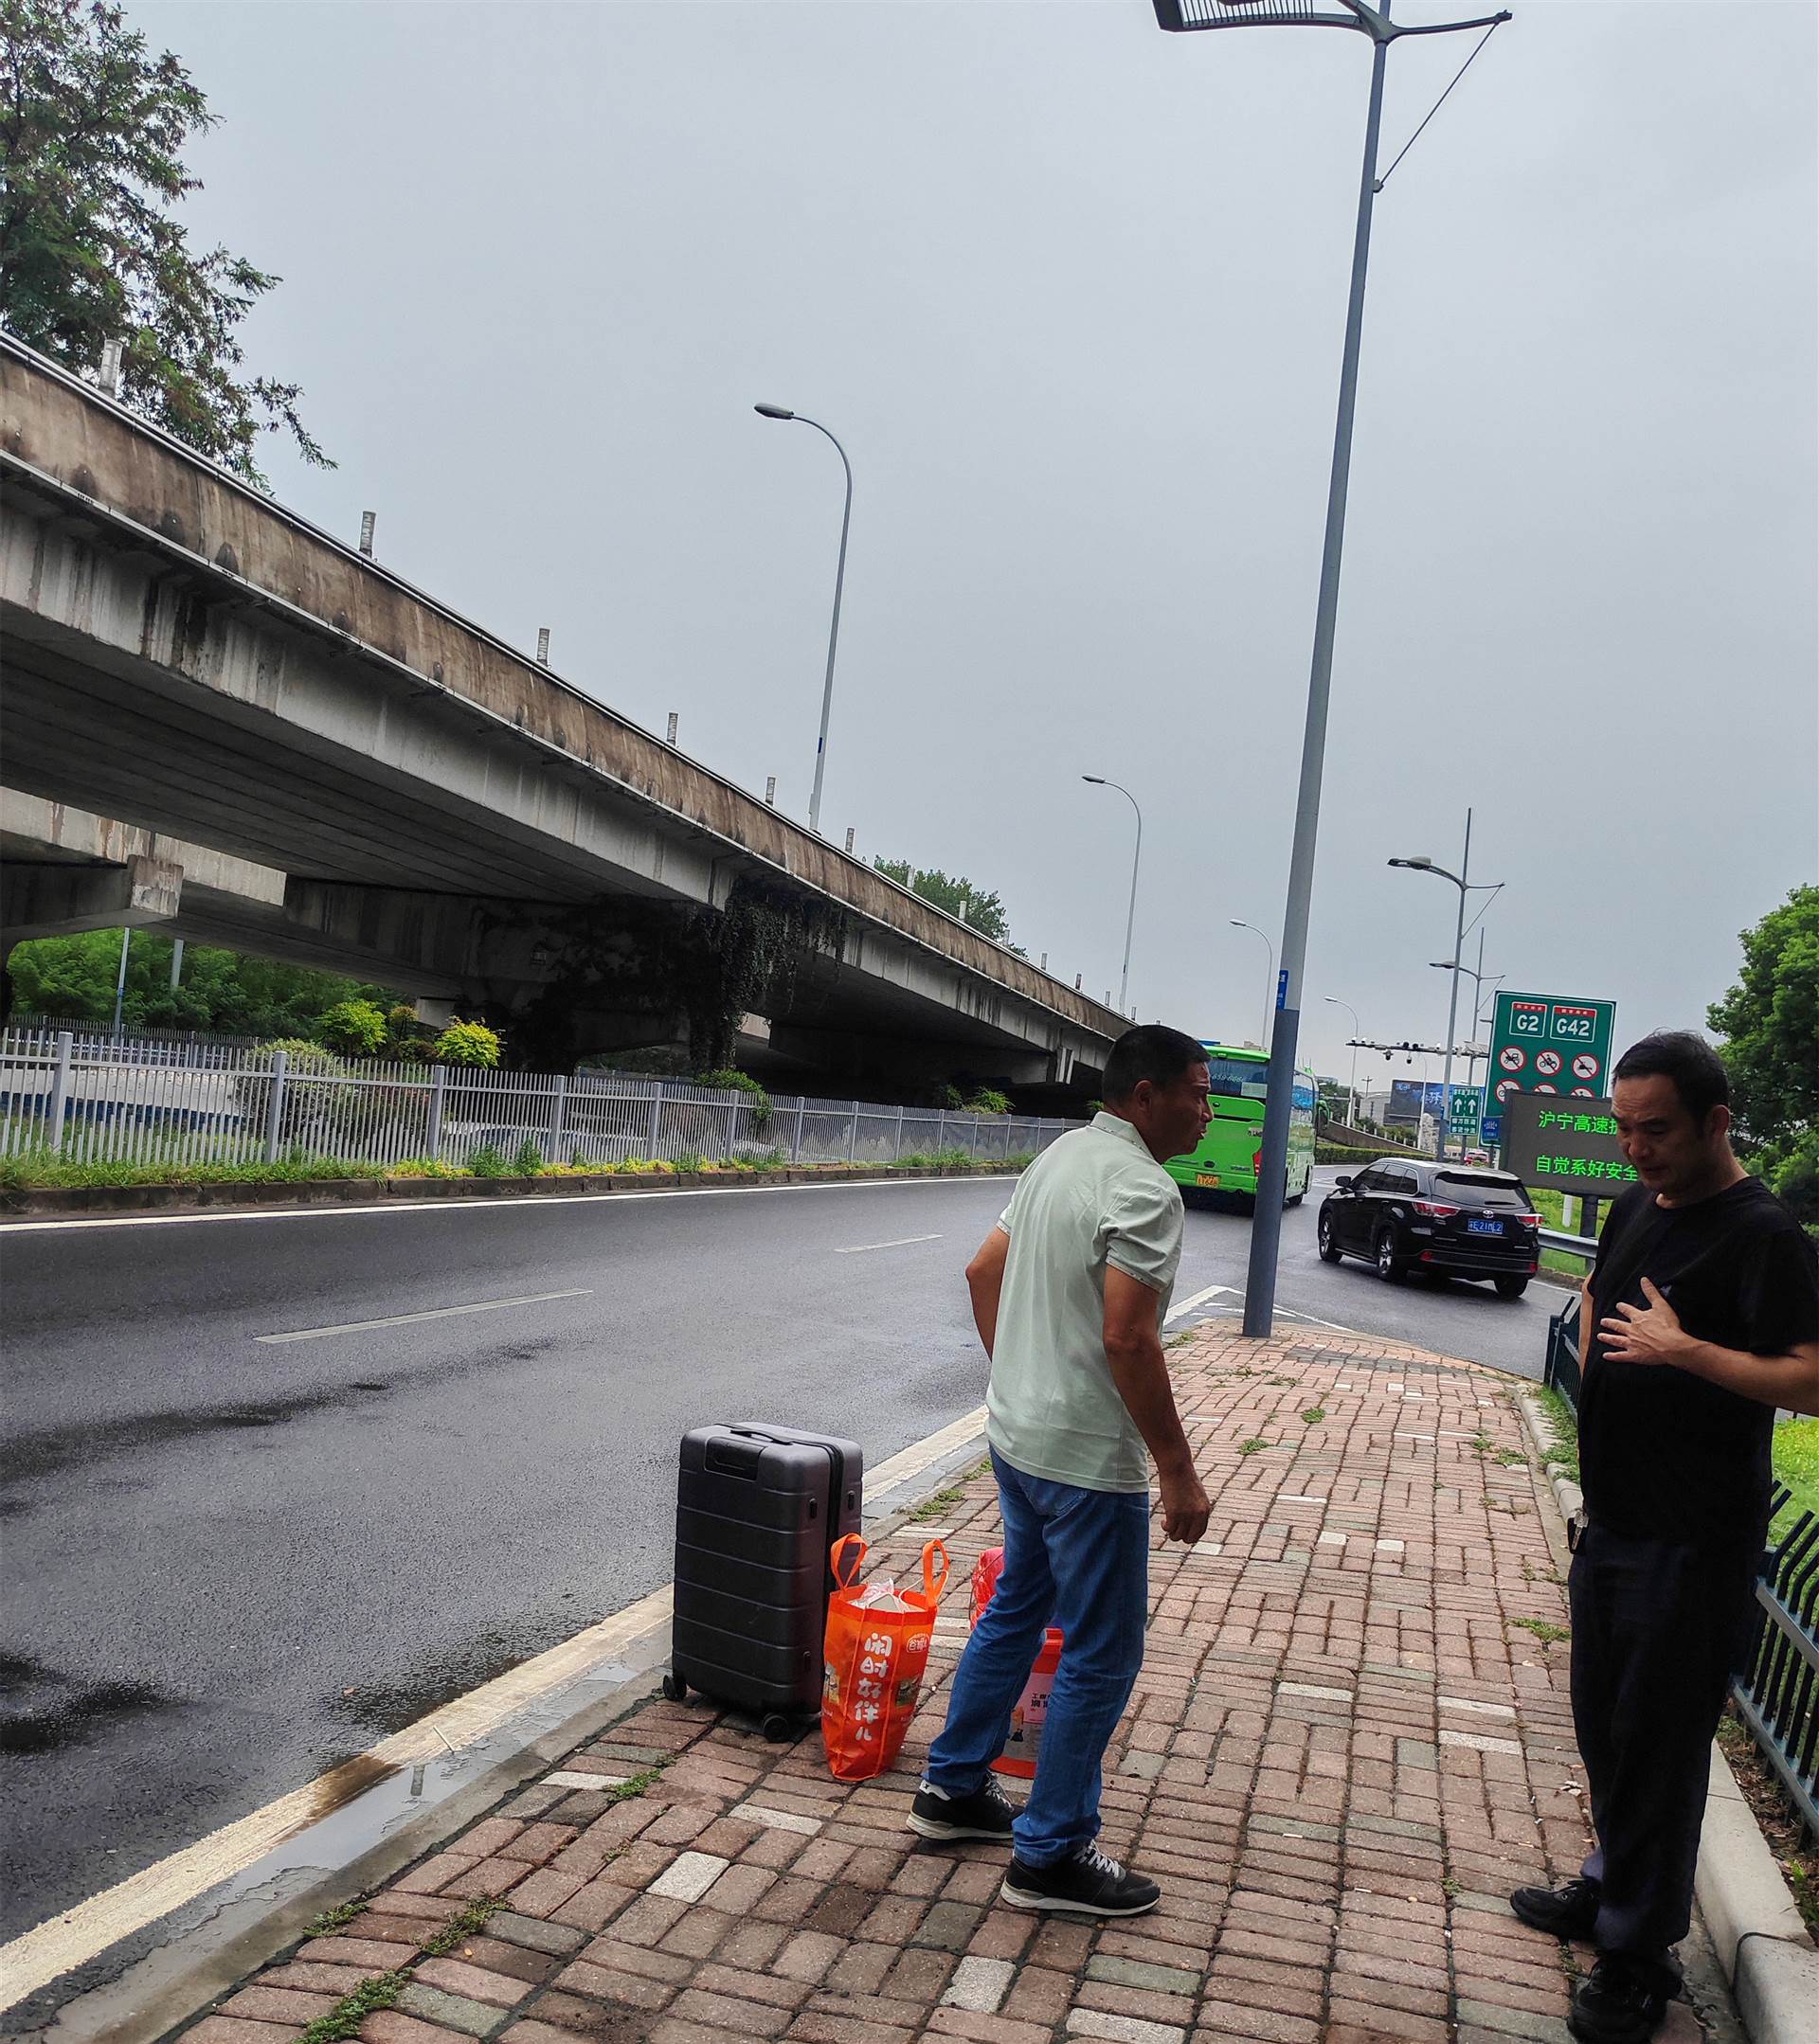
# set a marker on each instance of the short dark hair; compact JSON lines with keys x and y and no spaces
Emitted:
{"x":1149,"y":1051}
{"x":1689,"y":1061}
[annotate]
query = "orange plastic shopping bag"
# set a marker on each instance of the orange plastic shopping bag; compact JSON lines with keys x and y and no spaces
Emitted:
{"x":877,"y":1653}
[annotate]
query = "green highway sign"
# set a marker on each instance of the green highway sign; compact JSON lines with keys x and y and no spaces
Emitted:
{"x":1570,"y":1145}
{"x":1464,"y":1108}
{"x":1557,"y":1046}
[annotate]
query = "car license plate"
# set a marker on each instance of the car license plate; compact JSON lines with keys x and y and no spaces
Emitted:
{"x":1206,"y":1177}
{"x":1485,"y":1228}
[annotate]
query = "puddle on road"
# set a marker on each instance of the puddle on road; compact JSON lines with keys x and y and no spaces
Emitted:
{"x":42,"y":1710}
{"x":382,"y":1708}
{"x":34,"y":1455}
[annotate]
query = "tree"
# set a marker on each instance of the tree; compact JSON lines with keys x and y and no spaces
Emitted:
{"x":979,"y":910}
{"x":1769,"y":1022}
{"x":92,"y":131}
{"x":71,"y":978}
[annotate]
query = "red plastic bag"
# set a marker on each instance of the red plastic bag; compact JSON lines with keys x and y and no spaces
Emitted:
{"x":1023,"y":1743}
{"x":874,"y":1662}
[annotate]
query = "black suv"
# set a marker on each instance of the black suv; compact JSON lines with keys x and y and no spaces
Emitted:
{"x":1449,"y":1220}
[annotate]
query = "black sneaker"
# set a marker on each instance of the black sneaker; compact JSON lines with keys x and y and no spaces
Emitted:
{"x":1621,"y":2003}
{"x":1562,"y":1912}
{"x":1087,"y":1882}
{"x":987,"y":1813}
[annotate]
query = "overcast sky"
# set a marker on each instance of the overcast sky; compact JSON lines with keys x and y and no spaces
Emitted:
{"x":1070,"y":292}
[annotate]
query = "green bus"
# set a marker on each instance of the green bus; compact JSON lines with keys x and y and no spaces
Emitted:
{"x":1230,"y":1151}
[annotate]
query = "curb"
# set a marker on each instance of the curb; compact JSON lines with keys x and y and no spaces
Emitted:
{"x":230,"y":1931}
{"x":52,"y":1202}
{"x":1755,"y":1925}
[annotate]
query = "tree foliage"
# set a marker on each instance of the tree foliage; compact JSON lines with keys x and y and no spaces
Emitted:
{"x":1769,"y":1022}
{"x":973,"y":906}
{"x":92,"y":134}
{"x":222,"y":992}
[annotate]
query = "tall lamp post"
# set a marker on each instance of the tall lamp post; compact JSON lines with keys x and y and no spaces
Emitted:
{"x":1478,"y":981}
{"x":1466,"y":885}
{"x":778,"y":411}
{"x":1265,"y":1232}
{"x":1099,"y":780}
{"x":1333,"y":1000}
{"x":1268,"y":984}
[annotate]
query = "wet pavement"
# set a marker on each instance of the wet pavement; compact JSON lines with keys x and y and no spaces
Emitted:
{"x":231,"y":1564}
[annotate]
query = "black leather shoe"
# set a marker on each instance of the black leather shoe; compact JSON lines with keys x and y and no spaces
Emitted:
{"x":1088,"y":1883}
{"x":987,"y":1813}
{"x":1562,"y":1912}
{"x":1621,"y":2003}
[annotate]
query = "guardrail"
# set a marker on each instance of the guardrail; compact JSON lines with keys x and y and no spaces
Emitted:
{"x":1585,"y":1246}
{"x":1776,"y":1695}
{"x":1777,"y":1689}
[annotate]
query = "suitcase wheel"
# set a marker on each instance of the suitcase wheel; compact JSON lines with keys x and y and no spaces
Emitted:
{"x":675,"y":1685}
{"x":778,"y":1728}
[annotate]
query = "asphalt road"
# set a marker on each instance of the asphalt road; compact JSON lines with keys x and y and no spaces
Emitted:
{"x":230,"y":1563}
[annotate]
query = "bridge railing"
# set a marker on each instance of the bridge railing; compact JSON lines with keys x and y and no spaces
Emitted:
{"x":93,"y":1101}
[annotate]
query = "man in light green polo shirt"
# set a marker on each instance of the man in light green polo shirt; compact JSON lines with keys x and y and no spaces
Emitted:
{"x":1068,"y":1293}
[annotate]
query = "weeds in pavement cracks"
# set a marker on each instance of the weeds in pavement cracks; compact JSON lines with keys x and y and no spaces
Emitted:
{"x":1547,"y":1633}
{"x":332,"y":1920}
{"x":1250,"y":1446}
{"x":1562,"y":1454}
{"x":932,"y":1508}
{"x":380,"y":1990}
{"x":1512,"y":1457}
{"x":1314,"y":1414}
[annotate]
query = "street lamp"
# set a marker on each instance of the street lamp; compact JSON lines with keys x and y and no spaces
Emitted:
{"x":1099,"y":780}
{"x":1477,"y":978}
{"x":1466,"y":885}
{"x":1333,"y":1000}
{"x":1265,"y":1234}
{"x":778,"y":411}
{"x":1268,"y":985}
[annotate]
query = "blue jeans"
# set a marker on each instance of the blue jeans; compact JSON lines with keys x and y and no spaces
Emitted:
{"x":1078,"y":1559}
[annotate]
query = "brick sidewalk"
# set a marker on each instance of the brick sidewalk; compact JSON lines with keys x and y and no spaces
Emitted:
{"x":1343,"y":1750}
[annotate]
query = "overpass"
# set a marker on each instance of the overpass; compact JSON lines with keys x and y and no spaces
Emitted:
{"x":223,"y":721}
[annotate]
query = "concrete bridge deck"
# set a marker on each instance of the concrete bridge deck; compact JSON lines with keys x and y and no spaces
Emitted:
{"x":187,"y":660}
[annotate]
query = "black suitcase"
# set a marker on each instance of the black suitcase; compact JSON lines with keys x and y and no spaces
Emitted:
{"x":757,"y":1508}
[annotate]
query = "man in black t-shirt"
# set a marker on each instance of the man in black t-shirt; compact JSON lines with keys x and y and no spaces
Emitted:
{"x":1700,"y":1318}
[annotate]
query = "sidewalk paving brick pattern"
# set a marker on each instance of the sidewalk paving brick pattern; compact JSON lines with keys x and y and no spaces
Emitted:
{"x":1344,"y":1750}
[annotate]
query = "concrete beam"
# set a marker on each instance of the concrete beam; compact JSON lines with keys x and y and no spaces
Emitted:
{"x":58,"y":900}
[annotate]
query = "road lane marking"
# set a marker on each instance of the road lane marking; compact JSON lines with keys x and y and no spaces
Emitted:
{"x":483,"y":1206}
{"x":71,"y":1939}
{"x":433,"y":1313}
{"x":1187,"y":1305}
{"x":902,"y":1242}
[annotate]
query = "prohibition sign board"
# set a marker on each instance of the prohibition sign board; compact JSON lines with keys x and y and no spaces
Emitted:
{"x":1547,"y":1063}
{"x":1585,"y":1066}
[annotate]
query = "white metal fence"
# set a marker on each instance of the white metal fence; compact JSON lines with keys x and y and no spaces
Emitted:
{"x":90,"y":1100}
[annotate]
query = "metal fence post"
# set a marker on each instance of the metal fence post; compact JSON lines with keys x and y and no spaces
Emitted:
{"x":556,"y":1114}
{"x":796,"y":1139}
{"x":438,"y":1093}
{"x":275,"y":1106}
{"x":60,"y":1091}
{"x":853,"y":1132}
{"x":941,"y":1128}
{"x":656,"y":1119}
{"x":897,"y":1153}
